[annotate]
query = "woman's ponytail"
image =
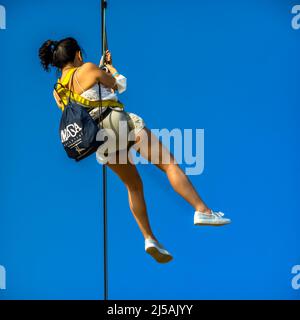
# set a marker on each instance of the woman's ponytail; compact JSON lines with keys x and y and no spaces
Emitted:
{"x":46,"y":53}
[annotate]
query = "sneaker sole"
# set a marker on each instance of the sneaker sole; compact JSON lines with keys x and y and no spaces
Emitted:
{"x":211,"y":224}
{"x":158,"y":256}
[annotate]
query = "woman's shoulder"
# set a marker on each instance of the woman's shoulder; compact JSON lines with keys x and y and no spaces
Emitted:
{"x":87,"y":75}
{"x":89,"y":66}
{"x":87,"y":70}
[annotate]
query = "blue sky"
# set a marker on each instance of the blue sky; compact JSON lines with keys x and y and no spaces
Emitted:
{"x":230,"y":67}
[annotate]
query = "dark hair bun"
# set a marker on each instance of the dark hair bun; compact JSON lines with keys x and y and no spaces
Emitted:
{"x":58,"y":53}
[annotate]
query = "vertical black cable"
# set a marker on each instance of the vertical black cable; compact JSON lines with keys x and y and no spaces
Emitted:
{"x":105,"y":233}
{"x":104,"y":173}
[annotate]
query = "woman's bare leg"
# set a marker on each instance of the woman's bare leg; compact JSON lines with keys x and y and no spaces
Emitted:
{"x":148,"y":142}
{"x":132,"y":180}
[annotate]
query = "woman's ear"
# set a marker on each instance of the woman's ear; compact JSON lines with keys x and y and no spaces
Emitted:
{"x":80,"y":56}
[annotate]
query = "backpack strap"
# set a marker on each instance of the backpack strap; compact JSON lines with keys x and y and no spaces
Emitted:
{"x":61,"y":85}
{"x":67,"y":77}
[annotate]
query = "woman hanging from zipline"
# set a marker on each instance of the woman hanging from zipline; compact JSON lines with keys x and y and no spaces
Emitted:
{"x":82,"y":79}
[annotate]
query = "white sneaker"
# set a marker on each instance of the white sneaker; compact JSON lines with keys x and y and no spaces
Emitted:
{"x":213,"y":219}
{"x":157,"y":251}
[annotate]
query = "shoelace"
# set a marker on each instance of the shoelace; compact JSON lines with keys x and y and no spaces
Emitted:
{"x":218,"y":214}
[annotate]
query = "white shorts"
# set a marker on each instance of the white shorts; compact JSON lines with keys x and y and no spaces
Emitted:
{"x":108,"y":150}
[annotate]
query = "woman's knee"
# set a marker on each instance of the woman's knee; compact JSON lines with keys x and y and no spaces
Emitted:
{"x":169,"y":167}
{"x":135,"y":184}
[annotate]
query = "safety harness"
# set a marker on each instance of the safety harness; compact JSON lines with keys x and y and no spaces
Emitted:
{"x":61,"y":88}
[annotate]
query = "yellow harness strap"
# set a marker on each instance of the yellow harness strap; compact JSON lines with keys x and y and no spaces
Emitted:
{"x":64,"y":93}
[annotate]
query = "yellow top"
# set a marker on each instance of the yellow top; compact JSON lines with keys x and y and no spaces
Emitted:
{"x":64,"y":93}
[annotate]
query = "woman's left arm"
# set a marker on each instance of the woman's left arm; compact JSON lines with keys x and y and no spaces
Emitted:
{"x":121,"y":81}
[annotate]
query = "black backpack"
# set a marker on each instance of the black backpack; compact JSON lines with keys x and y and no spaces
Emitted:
{"x":77,"y":129}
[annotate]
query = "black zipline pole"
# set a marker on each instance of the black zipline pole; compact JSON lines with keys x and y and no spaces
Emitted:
{"x":104,"y":174}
